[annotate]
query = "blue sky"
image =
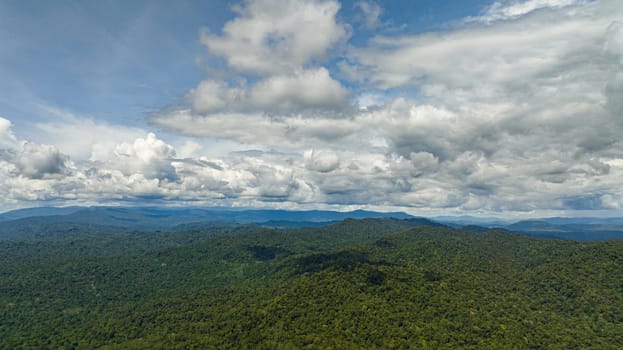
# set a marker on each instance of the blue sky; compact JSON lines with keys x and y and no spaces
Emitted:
{"x":507,"y":108}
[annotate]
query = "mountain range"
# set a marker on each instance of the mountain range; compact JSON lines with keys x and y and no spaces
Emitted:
{"x":52,"y":221}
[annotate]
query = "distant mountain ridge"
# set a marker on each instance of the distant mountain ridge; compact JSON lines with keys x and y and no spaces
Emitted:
{"x":574,"y":229}
{"x":580,"y":228}
{"x":101,"y":219}
{"x":39,"y":211}
{"x":243,"y":215}
{"x":44,"y":221}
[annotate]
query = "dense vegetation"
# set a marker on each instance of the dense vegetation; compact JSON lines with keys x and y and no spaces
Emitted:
{"x":373,"y":283}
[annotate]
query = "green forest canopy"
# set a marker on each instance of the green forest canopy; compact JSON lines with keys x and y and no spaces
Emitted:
{"x":372,"y":283}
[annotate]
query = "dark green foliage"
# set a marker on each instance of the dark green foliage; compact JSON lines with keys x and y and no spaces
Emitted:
{"x":267,"y":253}
{"x":376,"y":277}
{"x":346,"y":260}
{"x":382,"y":283}
{"x":432,"y":276}
{"x":383,"y":243}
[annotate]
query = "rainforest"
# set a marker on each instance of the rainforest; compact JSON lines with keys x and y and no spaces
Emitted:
{"x":376,"y":283}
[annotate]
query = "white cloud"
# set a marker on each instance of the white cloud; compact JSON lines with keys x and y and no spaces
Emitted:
{"x":212,"y":96}
{"x":303,"y":89}
{"x":313,"y":89}
{"x":148,"y":168}
{"x":275,"y":37}
{"x":278,"y":48}
{"x":500,"y":11}
{"x":321,"y":161}
{"x":149,"y":157}
{"x":7,"y":139}
{"x":483,"y":58}
{"x":368,"y":100}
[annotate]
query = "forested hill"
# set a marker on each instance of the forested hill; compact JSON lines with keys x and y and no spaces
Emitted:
{"x":52,"y":222}
{"x":371,"y":283}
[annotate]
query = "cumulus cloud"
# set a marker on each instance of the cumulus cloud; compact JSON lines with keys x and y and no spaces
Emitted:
{"x":147,"y":168}
{"x":212,"y":96}
{"x":301,"y":90}
{"x":36,"y":161}
{"x":149,"y":157}
{"x":273,"y":37}
{"x":28,"y":159}
{"x":313,"y":89}
{"x":321,"y":161}
{"x":276,"y":50}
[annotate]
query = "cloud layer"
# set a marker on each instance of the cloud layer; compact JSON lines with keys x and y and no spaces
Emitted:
{"x":517,"y":111}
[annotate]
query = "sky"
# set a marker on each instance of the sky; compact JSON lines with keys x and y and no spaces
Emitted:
{"x":508,"y":108}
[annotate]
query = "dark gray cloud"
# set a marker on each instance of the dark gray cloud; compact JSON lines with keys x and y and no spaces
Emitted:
{"x":36,"y":161}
